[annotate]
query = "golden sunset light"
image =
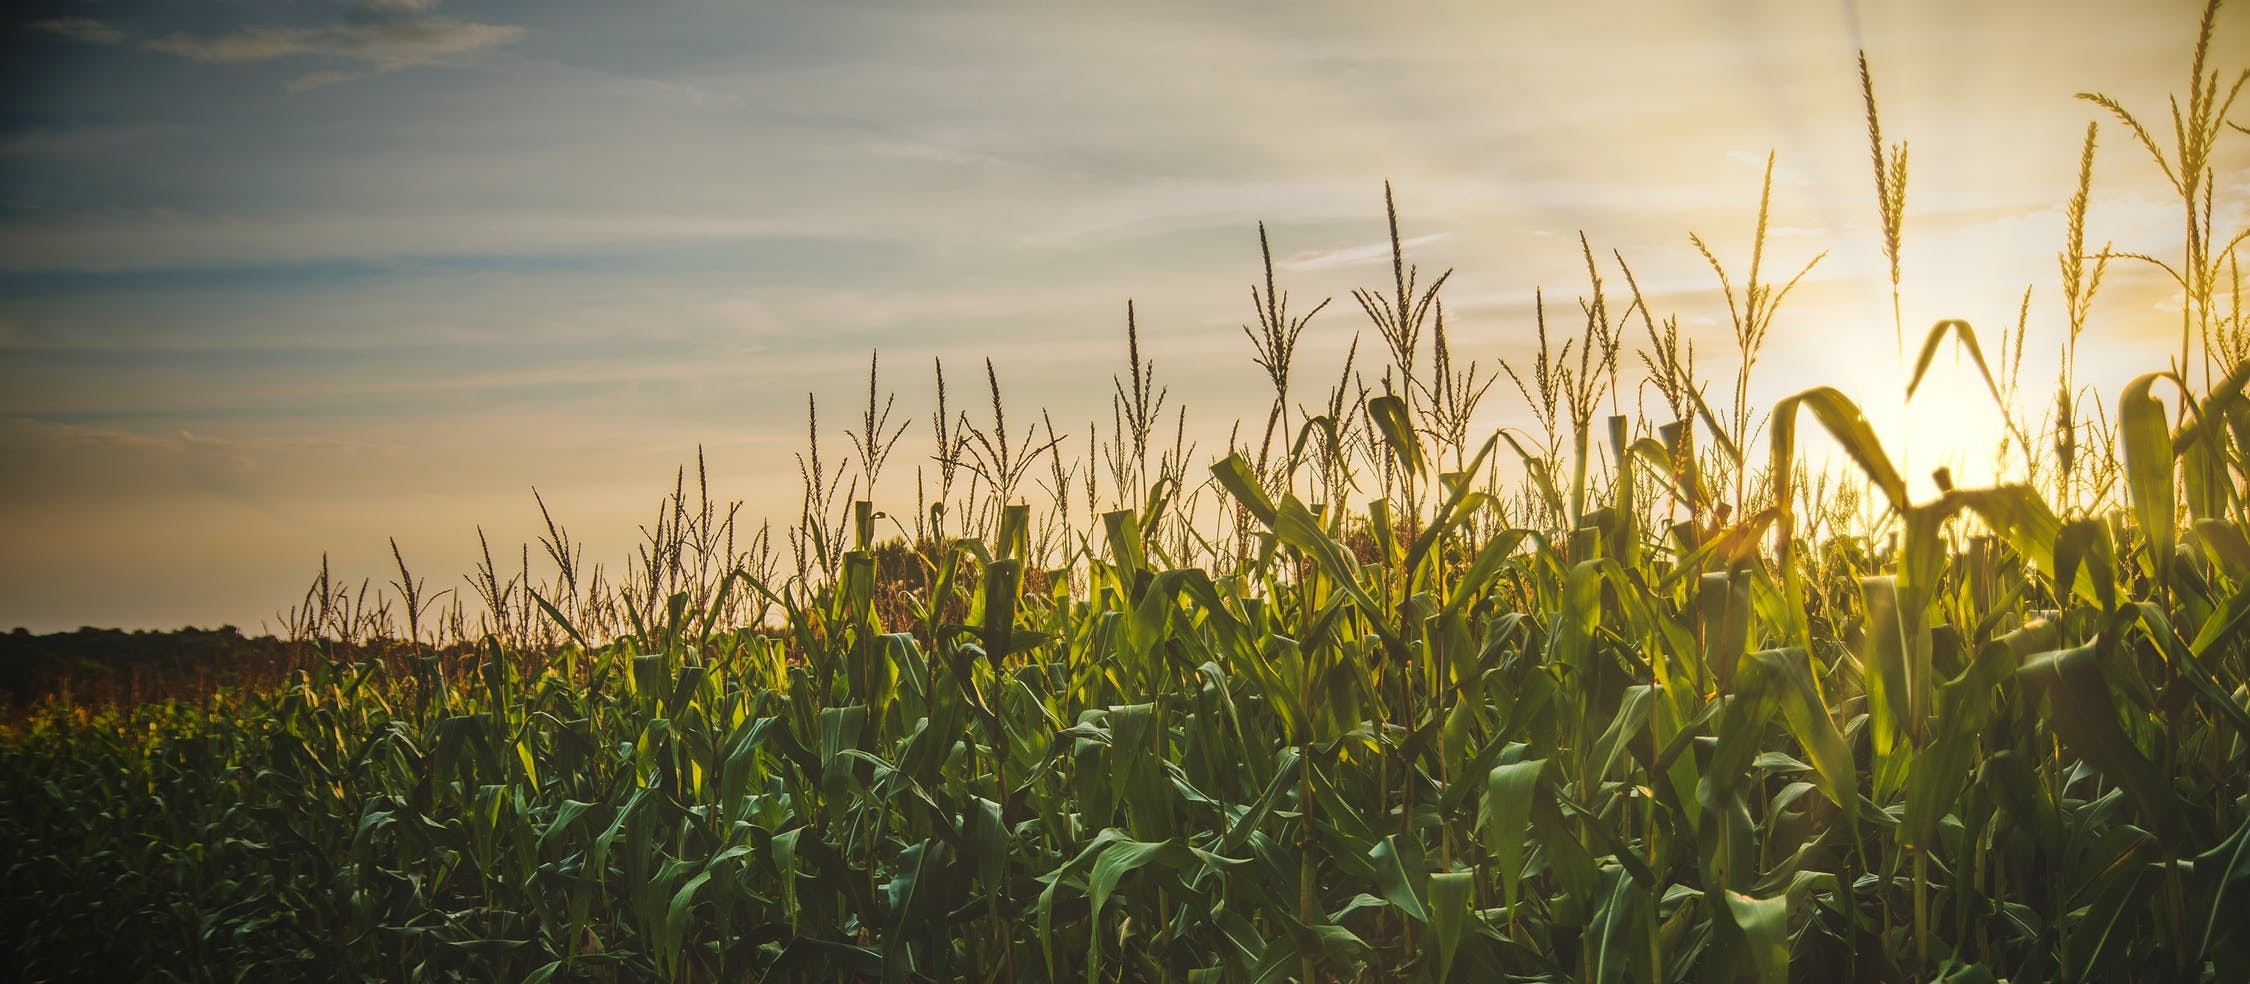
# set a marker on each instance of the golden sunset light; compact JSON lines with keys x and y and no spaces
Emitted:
{"x":1246,"y":492}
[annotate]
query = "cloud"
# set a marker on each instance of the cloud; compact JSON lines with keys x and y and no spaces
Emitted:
{"x":1320,"y":259}
{"x":390,"y":45}
{"x":388,"y":34}
{"x":68,"y":460}
{"x":32,"y":432}
{"x":383,"y":34}
{"x":81,"y":29}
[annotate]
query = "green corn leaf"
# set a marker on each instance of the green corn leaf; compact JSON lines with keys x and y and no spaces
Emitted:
{"x":1884,"y":661}
{"x":2222,"y":875}
{"x":1126,"y":553}
{"x":2082,"y":713}
{"x":1284,"y":782}
{"x":2201,"y":444}
{"x":2226,"y":546}
{"x":1460,"y":502}
{"x":1723,"y":618}
{"x":2193,"y":662}
{"x":674,"y":927}
{"x":2148,"y":454}
{"x":1332,"y":945}
{"x":1611,"y":942}
{"x":1476,"y":580}
{"x":1124,"y":857}
{"x":2102,"y":935}
{"x":1392,"y":420}
{"x":921,"y":867}
{"x":1452,"y":908}
{"x":2008,"y":777}
{"x":1789,"y":679}
{"x":1509,"y":790}
{"x":1765,"y":929}
{"x":1843,"y":421}
{"x":1400,"y":872}
{"x":1236,"y":476}
{"x":1968,"y":337}
{"x":1297,"y":527}
{"x":2085,"y":560}
{"x":1626,"y":726}
{"x":1939,"y":772}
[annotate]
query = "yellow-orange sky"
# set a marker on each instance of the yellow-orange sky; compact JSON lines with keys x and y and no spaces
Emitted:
{"x":279,"y":279}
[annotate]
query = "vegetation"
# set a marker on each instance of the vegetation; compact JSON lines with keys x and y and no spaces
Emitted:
{"x":1670,"y":704}
{"x":106,"y":666}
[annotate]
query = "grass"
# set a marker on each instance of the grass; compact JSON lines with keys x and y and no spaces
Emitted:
{"x":1666,"y":704}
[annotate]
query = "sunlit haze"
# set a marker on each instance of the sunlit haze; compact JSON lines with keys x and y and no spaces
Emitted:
{"x":286,"y":279}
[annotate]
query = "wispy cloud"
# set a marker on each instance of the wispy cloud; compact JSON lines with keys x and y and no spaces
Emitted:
{"x":388,"y":41}
{"x":82,"y":29}
{"x":1322,"y":259}
{"x":70,"y":460}
{"x":381,"y":35}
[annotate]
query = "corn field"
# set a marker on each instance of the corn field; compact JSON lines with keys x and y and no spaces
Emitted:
{"x":1621,"y":696}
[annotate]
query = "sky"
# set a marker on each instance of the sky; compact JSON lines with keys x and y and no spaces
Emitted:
{"x":286,"y":279}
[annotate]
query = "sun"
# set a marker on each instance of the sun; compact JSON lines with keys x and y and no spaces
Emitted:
{"x":1952,"y":421}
